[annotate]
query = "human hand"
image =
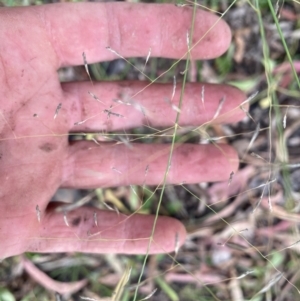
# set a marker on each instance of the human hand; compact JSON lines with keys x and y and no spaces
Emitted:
{"x":35,"y":155}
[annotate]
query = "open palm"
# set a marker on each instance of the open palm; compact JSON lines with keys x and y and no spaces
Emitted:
{"x":35,"y":155}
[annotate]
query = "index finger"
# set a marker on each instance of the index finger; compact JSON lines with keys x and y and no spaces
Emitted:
{"x":131,"y":30}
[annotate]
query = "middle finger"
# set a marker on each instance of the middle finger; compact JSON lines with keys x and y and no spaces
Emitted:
{"x":121,"y":105}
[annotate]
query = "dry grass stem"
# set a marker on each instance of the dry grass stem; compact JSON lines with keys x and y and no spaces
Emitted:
{"x":149,"y":296}
{"x":65,"y":219}
{"x":220,"y":106}
{"x":86,"y":66}
{"x":95,"y":218}
{"x":284,"y":118}
{"x":109,"y":113}
{"x":57,"y":110}
{"x":83,"y":201}
{"x":38,"y":213}
{"x":174,"y":87}
{"x":95,"y":97}
{"x":147,"y":58}
{"x":255,"y":134}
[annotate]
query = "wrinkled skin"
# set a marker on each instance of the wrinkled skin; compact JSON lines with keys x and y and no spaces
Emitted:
{"x":35,"y":155}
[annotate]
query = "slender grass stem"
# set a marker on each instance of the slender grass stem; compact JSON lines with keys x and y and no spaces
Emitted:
{"x":283,"y":41}
{"x":172,"y":147}
{"x":273,"y":102}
